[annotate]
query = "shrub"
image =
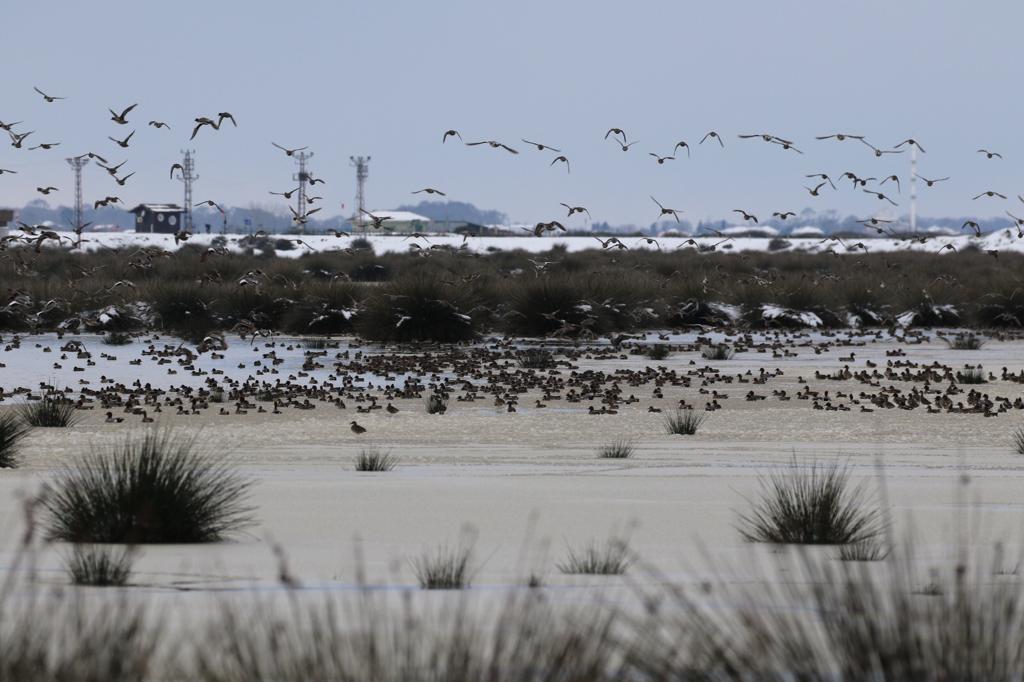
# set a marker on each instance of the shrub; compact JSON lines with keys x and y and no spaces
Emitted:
{"x":99,"y":566}
{"x":117,"y":338}
{"x":374,"y":459}
{"x":811,"y":505}
{"x":1018,"y":440}
{"x":965,"y":341}
{"x":684,"y":422}
{"x":445,"y":569}
{"x":13,"y":430}
{"x":658,"y":352}
{"x":416,"y":309}
{"x":156,"y":488}
{"x":971,"y":375}
{"x":536,"y":358}
{"x":619,"y":449}
{"x":53,"y":411}
{"x":717,"y":352}
{"x":611,"y":558}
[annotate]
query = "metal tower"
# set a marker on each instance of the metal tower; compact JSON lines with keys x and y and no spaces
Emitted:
{"x":913,"y":188}
{"x":187,"y":177}
{"x":302,"y":177}
{"x":77,"y":164}
{"x":362,"y":166}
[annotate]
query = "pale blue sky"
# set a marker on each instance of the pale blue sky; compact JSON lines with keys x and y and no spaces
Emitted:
{"x":387,"y":78}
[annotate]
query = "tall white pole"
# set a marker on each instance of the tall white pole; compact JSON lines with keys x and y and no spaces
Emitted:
{"x":913,"y":189}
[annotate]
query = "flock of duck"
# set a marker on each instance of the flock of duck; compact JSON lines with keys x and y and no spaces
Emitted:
{"x":278,"y":376}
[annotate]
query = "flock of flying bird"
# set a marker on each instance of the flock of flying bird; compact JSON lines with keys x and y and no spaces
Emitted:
{"x":38,"y":235}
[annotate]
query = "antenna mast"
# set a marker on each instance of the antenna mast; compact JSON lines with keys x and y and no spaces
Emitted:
{"x":362,"y":166}
{"x":913,"y":189}
{"x":303,"y":177}
{"x":188,"y":176}
{"x":77,"y":164}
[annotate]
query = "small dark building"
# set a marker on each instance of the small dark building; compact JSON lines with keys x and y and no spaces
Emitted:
{"x":157,"y":218}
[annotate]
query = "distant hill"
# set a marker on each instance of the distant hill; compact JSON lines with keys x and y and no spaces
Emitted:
{"x":456,"y":210}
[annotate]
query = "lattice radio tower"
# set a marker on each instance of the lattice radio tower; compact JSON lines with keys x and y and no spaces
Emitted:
{"x":362,"y":166}
{"x":77,"y":164}
{"x":913,"y":189}
{"x":302,"y":177}
{"x":187,"y":177}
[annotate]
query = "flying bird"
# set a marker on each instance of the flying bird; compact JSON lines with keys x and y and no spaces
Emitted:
{"x":18,"y":138}
{"x":49,"y":98}
{"x":817,"y":189}
{"x":840,"y":137}
{"x":6,"y":170}
{"x":211,"y":203}
{"x":616,"y":131}
{"x":113,"y":169}
{"x":122,"y":143}
{"x":286,"y":195}
{"x":8,"y":126}
{"x":990,"y":193}
{"x":46,"y":190}
{"x":494,"y":144}
{"x":450,"y":133}
{"x":783,"y":214}
{"x":575,"y":209}
{"x":563,"y":159}
{"x":378,"y":221}
{"x":45,"y":146}
{"x":661,"y":159}
{"x":746,"y":216}
{"x":880,"y":196}
{"x":106,"y":202}
{"x":123,"y":180}
{"x":930,"y":182}
{"x":712,"y":134}
{"x":430,"y":190}
{"x":159,"y":124}
{"x":989,"y":154}
{"x":177,"y":166}
{"x":682,"y":143}
{"x":879,"y":152}
{"x":912,"y":142}
{"x":893,"y":178}
{"x":973,"y":225}
{"x":121,"y":119}
{"x":541,"y":147}
{"x":822,"y":176}
{"x":666,"y":211}
{"x":289,"y":152}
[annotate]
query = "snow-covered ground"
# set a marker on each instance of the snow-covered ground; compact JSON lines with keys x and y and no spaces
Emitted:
{"x":1002,"y":240}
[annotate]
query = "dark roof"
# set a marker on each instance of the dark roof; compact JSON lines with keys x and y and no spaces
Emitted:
{"x":156,"y":208}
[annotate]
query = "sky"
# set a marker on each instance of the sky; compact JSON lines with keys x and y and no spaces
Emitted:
{"x":387,"y":78}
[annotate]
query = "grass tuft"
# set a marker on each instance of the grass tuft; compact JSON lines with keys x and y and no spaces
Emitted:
{"x":965,"y":341}
{"x":717,"y":352}
{"x":611,"y":558}
{"x":684,"y":422}
{"x":436,"y":404}
{"x":117,"y":338}
{"x":536,"y":358}
{"x":100,"y":566}
{"x":53,"y":411}
{"x":658,"y":352}
{"x":811,"y":505}
{"x":618,"y":449}
{"x":445,"y":569}
{"x":13,"y":430}
{"x":154,"y":488}
{"x":971,"y":375}
{"x":375,"y":459}
{"x":865,"y":550}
